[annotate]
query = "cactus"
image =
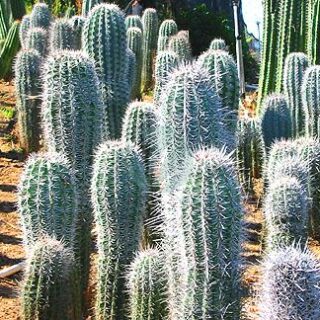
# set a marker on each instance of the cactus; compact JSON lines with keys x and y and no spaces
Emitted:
{"x":250,"y":152}
{"x":167,"y":29}
{"x":40,"y":16}
{"x":118,"y":196}
{"x":218,"y":44}
{"x":286,"y":213}
{"x":50,"y":287}
{"x":87,"y":5}
{"x":149,"y":45}
{"x":290,"y":285}
{"x":180,"y":45}
{"x":28,"y":90}
{"x":146,"y":286}
{"x":132,"y":68}
{"x":205,"y":270}
{"x":37,"y":39}
{"x":134,"y":38}
{"x":106,"y":43}
{"x":77,"y":23}
{"x":191,"y":117}
{"x":61,"y":35}
{"x":312,"y":43}
{"x":166,"y":62}
{"x":310,"y":99}
{"x":24,"y":28}
{"x":223,"y":69}
{"x":134,"y":21}
{"x":275,"y":119}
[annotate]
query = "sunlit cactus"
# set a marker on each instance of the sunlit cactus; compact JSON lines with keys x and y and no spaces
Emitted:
{"x":37,"y":39}
{"x":24,"y":28}
{"x":61,"y":35}
{"x":167,"y":29}
{"x":181,"y":47}
{"x":40,"y":16}
{"x":134,"y":21}
{"x":218,"y":44}
{"x":77,"y":23}
{"x":87,"y":5}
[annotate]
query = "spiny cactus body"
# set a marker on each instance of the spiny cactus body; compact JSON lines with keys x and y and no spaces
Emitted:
{"x":88,"y":5}
{"x":37,"y":39}
{"x":40,"y":16}
{"x":61,"y":35}
{"x":134,"y":21}
{"x":118,"y":196}
{"x":132,"y":68}
{"x":218,"y":44}
{"x":181,"y":47}
{"x":167,"y":29}
{"x":24,"y":28}
{"x":77,"y":23}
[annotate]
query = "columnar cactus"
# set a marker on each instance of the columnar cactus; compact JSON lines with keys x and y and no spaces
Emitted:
{"x":77,"y":23}
{"x":37,"y":39}
{"x":119,"y":196}
{"x":218,"y":44}
{"x":50,"y":287}
{"x":275,"y":119}
{"x":310,"y":98}
{"x":290,"y":285}
{"x":190,"y":118}
{"x":106,"y":43}
{"x":147,"y":285}
{"x":250,"y":152}
{"x":295,"y":67}
{"x":24,"y":28}
{"x":208,"y":239}
{"x":134,"y":38}
{"x":166,"y":62}
{"x":132,"y":67}
{"x":150,"y":34}
{"x":286,"y":213}
{"x":180,"y":45}
{"x":28,"y":89}
{"x":134,"y":21}
{"x":61,"y":35}
{"x":40,"y":16}
{"x":87,"y":5}
{"x":167,"y":29}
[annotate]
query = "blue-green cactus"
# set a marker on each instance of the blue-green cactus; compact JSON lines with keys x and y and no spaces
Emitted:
{"x":132,"y":68}
{"x":181,"y":47}
{"x":167,"y":29}
{"x":40,"y":16}
{"x":134,"y":21}
{"x":77,"y":23}
{"x":24,"y":28}
{"x":218,"y":44}
{"x":61,"y":35}
{"x":88,"y":5}
{"x":37,"y":39}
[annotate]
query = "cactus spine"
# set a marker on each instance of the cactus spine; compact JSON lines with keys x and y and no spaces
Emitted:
{"x":167,"y":29}
{"x":104,"y":39}
{"x":28,"y":90}
{"x":180,"y":45}
{"x":134,"y":37}
{"x":50,"y":289}
{"x":37,"y":39}
{"x":295,"y":67}
{"x":147,"y":286}
{"x":40,"y":16}
{"x":61,"y":35}
{"x":24,"y":28}
{"x":77,"y":23}
{"x":118,"y":196}
{"x":134,"y":21}
{"x":150,"y":33}
{"x":218,"y":44}
{"x":290,"y":285}
{"x":275,"y":119}
{"x":87,"y":5}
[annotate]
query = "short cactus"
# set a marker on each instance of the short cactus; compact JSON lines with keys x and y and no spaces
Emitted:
{"x":50,"y":287}
{"x":181,"y":47}
{"x":24,"y":28}
{"x":119,"y":196}
{"x":149,"y":45}
{"x":28,"y":89}
{"x":166,"y":62}
{"x":134,"y":21}
{"x":286,"y":213}
{"x":218,"y":44}
{"x":167,"y":29}
{"x":275,"y":119}
{"x":134,"y":38}
{"x":290,"y":285}
{"x":132,"y":68}
{"x":37,"y":39}
{"x":88,"y":5}
{"x":77,"y":23}
{"x":40,"y":16}
{"x":147,"y":285}
{"x":61,"y":35}
{"x":295,"y":67}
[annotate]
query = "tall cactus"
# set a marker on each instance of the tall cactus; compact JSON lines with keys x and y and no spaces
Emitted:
{"x":134,"y":38}
{"x":61,"y":35}
{"x":286,"y":213}
{"x":275,"y":119}
{"x":295,"y":67}
{"x":207,"y":237}
{"x":167,"y":29}
{"x":147,"y":285}
{"x":37,"y":39}
{"x":313,"y":26}
{"x":218,"y":44}
{"x":134,"y":21}
{"x":166,"y":62}
{"x":149,"y":45}
{"x":290,"y":285}
{"x":118,"y":196}
{"x":87,"y":5}
{"x":180,"y":45}
{"x":40,"y":16}
{"x":50,"y":287}
{"x":24,"y":28}
{"x":106,"y":43}
{"x":132,"y":68}
{"x":28,"y":89}
{"x":77,"y":23}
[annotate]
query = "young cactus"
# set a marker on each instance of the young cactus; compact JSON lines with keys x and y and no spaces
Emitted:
{"x":134,"y":21}
{"x":181,"y":47}
{"x":77,"y":23}
{"x":286,"y":213}
{"x":218,"y":44}
{"x":290,"y":285}
{"x":61,"y":35}
{"x":106,"y":43}
{"x":166,"y":62}
{"x":50,"y":288}
{"x":88,"y":5}
{"x":24,"y":28}
{"x":28,"y":90}
{"x":149,"y":45}
{"x":167,"y":29}
{"x":119,"y":196}
{"x":295,"y":67}
{"x":275,"y":119}
{"x":37,"y":39}
{"x":40,"y":16}
{"x":146,"y":284}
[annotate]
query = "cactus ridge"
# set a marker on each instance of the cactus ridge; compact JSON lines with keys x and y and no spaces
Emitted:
{"x":37,"y":39}
{"x":77,"y":24}
{"x":61,"y":35}
{"x":167,"y":29}
{"x":179,"y":44}
{"x":134,"y":21}
{"x":88,"y":5}
{"x":24,"y":28}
